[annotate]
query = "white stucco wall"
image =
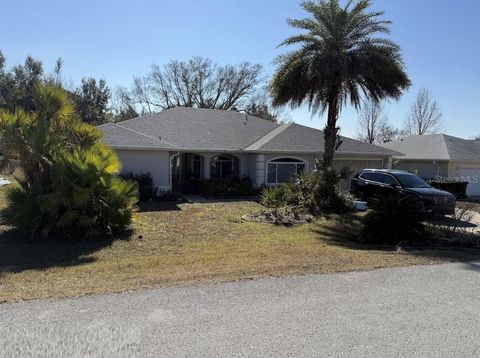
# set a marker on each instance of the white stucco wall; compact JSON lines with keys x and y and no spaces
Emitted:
{"x":355,"y":163}
{"x":141,"y":161}
{"x":252,"y":165}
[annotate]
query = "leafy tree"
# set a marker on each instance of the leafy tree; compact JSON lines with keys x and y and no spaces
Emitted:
{"x":199,"y":83}
{"x":261,"y":110}
{"x":2,"y":62}
{"x":18,"y":85}
{"x":425,"y":115}
{"x":70,"y":186}
{"x":340,"y":57}
{"x":17,"y":89}
{"x":260,"y":106}
{"x":91,"y":100}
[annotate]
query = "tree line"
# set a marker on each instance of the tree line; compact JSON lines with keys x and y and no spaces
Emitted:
{"x":198,"y":82}
{"x":17,"y":89}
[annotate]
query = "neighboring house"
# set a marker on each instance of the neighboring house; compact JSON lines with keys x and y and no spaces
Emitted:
{"x":194,"y":144}
{"x":440,"y":156}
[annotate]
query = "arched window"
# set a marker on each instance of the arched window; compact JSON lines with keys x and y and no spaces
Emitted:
{"x":283,"y":169}
{"x":223,"y":167}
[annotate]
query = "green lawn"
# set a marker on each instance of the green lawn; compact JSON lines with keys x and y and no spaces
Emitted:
{"x":171,"y":244}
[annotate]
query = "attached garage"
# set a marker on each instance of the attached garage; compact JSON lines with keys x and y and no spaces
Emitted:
{"x":472,"y":177}
{"x":440,"y":157}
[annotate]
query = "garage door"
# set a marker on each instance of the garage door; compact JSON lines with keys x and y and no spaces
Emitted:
{"x":472,"y":176}
{"x":353,"y":167}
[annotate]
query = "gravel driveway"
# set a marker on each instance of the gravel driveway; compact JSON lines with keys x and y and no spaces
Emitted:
{"x":423,"y":311}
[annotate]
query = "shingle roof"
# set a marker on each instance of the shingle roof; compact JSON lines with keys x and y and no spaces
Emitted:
{"x":202,"y":129}
{"x":436,"y":147}
{"x":116,"y":135}
{"x":297,"y":138}
{"x":215,"y":130}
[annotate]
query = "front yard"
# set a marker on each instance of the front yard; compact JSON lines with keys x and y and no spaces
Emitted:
{"x":186,"y":243}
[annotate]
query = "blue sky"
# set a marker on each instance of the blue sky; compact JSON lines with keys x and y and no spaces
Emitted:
{"x":117,"y":40}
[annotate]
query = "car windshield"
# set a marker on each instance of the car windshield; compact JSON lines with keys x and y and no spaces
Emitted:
{"x":412,"y":181}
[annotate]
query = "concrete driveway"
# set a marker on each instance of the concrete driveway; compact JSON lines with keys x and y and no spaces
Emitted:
{"x":420,"y":311}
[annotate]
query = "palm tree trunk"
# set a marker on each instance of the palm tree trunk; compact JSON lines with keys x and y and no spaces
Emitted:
{"x":330,"y":133}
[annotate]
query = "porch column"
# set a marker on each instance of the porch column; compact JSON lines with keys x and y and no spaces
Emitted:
{"x":206,"y":164}
{"x":389,"y":163}
{"x":260,"y":170}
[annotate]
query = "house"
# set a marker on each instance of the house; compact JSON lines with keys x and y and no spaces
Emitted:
{"x":205,"y":143}
{"x":440,"y":156}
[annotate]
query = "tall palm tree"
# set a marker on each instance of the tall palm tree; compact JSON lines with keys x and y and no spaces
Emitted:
{"x":341,"y":57}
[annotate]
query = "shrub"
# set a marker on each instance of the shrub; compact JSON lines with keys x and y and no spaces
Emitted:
{"x":459,"y":189}
{"x":70,"y":186}
{"x":308,"y":193}
{"x":394,"y":220}
{"x":273,"y":197}
{"x":226,"y":188}
{"x":146,"y":189}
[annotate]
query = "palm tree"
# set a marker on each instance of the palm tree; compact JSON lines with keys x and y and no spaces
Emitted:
{"x":342,"y":57}
{"x":69,"y":186}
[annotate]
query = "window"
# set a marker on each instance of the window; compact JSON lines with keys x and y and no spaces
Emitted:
{"x":283,"y":169}
{"x":223,"y":167}
{"x":372,"y":176}
{"x":412,"y":181}
{"x":379,"y":177}
{"x":388,"y":179}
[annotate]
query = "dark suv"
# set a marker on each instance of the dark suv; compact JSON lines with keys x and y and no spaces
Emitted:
{"x":369,"y":183}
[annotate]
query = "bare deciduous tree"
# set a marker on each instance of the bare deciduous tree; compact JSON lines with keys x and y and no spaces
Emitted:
{"x":425,"y":116}
{"x":373,"y":123}
{"x":199,"y":83}
{"x":122,"y":105}
{"x":387,"y":133}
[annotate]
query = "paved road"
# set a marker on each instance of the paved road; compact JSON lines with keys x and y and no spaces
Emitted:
{"x":407,"y":312}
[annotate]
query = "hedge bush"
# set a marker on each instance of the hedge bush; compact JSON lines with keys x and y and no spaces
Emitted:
{"x":457,"y":188}
{"x":146,"y":189}
{"x":227,"y":188}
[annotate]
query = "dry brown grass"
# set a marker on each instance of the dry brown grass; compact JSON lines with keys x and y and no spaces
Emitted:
{"x":187,"y":243}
